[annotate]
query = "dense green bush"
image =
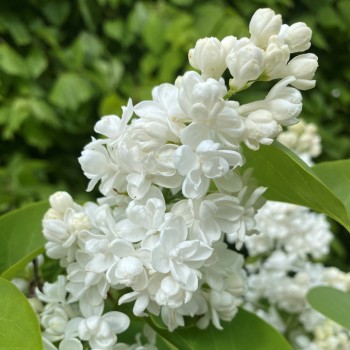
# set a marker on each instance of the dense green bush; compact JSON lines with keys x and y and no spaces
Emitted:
{"x":63,"y":64}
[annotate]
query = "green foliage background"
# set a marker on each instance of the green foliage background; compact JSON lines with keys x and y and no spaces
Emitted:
{"x":64,"y":64}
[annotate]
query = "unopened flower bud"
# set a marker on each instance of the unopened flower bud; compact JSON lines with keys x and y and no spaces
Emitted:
{"x":209,"y":56}
{"x":277,"y":57}
{"x":61,"y":201}
{"x":263,"y":24}
{"x":297,"y":36}
{"x":303,"y":67}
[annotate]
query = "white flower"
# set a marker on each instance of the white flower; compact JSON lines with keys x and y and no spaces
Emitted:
{"x":201,"y":99}
{"x":175,"y":254}
{"x":172,"y":318}
{"x":207,"y":218}
{"x":60,"y":201}
{"x":53,"y":292}
{"x":54,"y":320}
{"x":297,"y":36}
{"x":143,"y":217}
{"x":246,"y":62}
{"x":277,"y":57}
{"x":147,"y":333}
{"x":113,"y":126}
{"x":167,"y":291}
{"x":223,"y":306}
{"x":261,"y":128}
{"x":70,"y":344}
{"x":137,"y":154}
{"x":303,"y":139}
{"x":282,"y":101}
{"x":62,"y":231}
{"x":129,"y":269}
{"x":99,"y":159}
{"x":303,"y":68}
{"x":89,"y":287}
{"x":163,"y":116}
{"x":209,"y":55}
{"x":65,"y":344}
{"x":250,"y":198}
{"x":101,"y":331}
{"x":207,"y":162}
{"x":263,"y":25}
{"x":225,"y":270}
{"x":100,"y":164}
{"x":142,"y":301}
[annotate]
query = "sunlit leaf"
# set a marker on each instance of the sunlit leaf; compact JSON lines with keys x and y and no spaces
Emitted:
{"x":332,"y":303}
{"x":70,"y":90}
{"x":19,"y":325}
{"x":11,"y":62}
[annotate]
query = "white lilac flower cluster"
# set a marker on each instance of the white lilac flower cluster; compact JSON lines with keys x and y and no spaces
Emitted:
{"x":291,"y":238}
{"x":174,"y":193}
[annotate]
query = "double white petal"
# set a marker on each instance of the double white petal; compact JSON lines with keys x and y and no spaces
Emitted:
{"x":246,"y":63}
{"x":179,"y":256}
{"x":207,"y":162}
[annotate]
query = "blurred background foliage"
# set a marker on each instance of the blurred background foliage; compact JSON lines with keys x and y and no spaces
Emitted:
{"x":64,"y":64}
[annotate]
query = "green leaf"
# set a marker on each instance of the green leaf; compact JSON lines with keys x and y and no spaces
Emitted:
{"x":246,"y":331}
{"x":21,"y":237}
{"x":111,"y":104}
{"x":289,"y":179}
{"x":37,"y":62}
{"x":19,"y":112}
{"x":19,"y":325}
{"x":114,"y":29}
{"x":16,"y":28}
{"x":11,"y":62}
{"x":332,"y":303}
{"x":336,"y":175}
{"x":88,"y":11}
{"x":106,"y":74}
{"x":56,"y":12}
{"x":70,"y":90}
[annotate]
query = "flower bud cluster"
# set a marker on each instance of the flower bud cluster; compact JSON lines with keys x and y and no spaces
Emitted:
{"x":169,"y":170}
{"x":266,"y":55}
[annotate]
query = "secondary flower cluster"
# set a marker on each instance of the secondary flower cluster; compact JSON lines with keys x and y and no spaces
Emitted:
{"x":174,"y":193}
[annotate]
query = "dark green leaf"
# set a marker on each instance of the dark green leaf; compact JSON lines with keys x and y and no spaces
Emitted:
{"x":332,"y":303}
{"x":56,"y":12}
{"x":21,"y":237}
{"x":246,"y":331}
{"x":289,"y":179}
{"x":19,"y":325}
